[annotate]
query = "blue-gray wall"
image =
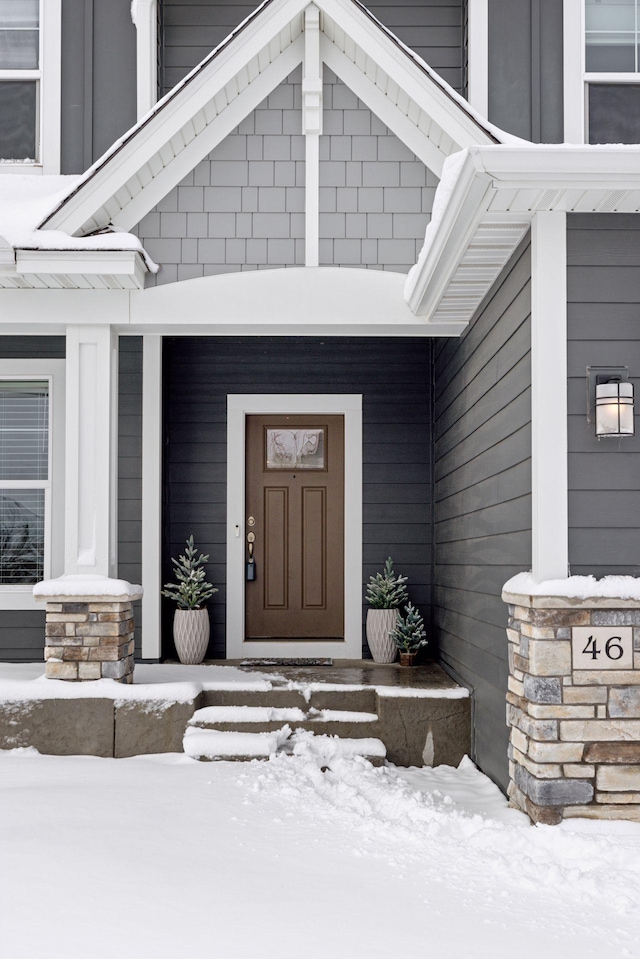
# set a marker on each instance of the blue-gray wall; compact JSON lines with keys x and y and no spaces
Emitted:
{"x":482,"y":496}
{"x":604,"y":330}
{"x":525,"y":68}
{"x":394,"y":377}
{"x":130,"y":467}
{"x":98,"y":79}
{"x":433,"y":28}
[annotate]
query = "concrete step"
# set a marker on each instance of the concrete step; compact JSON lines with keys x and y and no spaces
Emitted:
{"x":350,"y":724}
{"x":208,"y":745}
{"x":317,"y":695}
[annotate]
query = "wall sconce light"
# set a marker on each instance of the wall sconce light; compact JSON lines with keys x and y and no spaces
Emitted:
{"x":610,"y":401}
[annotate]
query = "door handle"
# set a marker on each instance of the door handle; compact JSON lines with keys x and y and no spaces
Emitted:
{"x":251,"y":565}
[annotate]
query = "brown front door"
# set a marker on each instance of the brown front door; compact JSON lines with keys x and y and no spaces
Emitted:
{"x":295,"y":508}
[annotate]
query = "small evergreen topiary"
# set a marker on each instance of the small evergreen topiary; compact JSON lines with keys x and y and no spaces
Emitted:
{"x":409,"y":633}
{"x":191,"y":591}
{"x":386,"y":590}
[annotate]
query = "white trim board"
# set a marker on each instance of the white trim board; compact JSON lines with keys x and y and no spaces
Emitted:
{"x":239,"y":406}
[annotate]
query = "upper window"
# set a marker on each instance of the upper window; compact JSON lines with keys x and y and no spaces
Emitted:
{"x":612,"y":32}
{"x":20,"y":79}
{"x":30,"y":43}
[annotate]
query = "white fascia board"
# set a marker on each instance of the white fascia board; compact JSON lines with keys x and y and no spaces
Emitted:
{"x":395,"y":62}
{"x":470,"y":198}
{"x":34,"y":312}
{"x":562,"y":166}
{"x":322,"y":299}
{"x":143,"y":141}
{"x":86,"y":262}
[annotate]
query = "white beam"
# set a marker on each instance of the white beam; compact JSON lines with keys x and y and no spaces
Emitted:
{"x":549,"y":444}
{"x":91,"y":450}
{"x":573,"y":65}
{"x":145,"y":17}
{"x":478,"y":54}
{"x":151,"y":493}
{"x":312,"y":128}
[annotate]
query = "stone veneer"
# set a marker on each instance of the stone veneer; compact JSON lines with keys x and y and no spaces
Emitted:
{"x":89,"y":636}
{"x":575,"y":734}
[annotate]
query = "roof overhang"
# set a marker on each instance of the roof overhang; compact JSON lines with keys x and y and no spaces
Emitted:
{"x":183,"y":128}
{"x":490,"y":205}
{"x":73,"y":269}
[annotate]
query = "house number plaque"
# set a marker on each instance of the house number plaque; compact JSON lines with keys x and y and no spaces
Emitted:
{"x":602,"y":647}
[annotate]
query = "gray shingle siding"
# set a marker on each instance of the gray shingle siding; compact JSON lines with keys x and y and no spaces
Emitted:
{"x":482,"y":496}
{"x":242,"y":208}
{"x":433,"y":28}
{"x":603,"y":330}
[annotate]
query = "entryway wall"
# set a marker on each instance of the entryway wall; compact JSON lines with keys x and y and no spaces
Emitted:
{"x":393,"y":376}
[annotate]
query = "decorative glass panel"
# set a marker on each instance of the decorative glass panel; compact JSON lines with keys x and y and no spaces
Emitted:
{"x":19,"y":34}
{"x":24,"y":430}
{"x":18,"y":119}
{"x":21,"y":536}
{"x":611,"y":36}
{"x":301,"y":449}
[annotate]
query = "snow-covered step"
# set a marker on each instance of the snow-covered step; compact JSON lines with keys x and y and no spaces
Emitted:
{"x":302,"y":695}
{"x":266,"y":719}
{"x":210,"y":715}
{"x":214,"y":744}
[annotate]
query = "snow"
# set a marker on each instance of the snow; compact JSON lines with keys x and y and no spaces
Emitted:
{"x":86,"y":585}
{"x":212,"y":744}
{"x":340,"y":716}
{"x":163,"y":856}
{"x":246,"y":714}
{"x":26,"y":200}
{"x":575,"y":587}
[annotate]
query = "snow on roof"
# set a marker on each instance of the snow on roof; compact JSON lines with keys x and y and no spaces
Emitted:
{"x":26,"y":200}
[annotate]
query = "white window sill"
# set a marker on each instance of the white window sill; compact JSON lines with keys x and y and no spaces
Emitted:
{"x":18,"y":598}
{"x":21,"y":168}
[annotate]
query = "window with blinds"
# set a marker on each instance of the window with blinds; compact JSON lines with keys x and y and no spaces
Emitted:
{"x":24,"y":479}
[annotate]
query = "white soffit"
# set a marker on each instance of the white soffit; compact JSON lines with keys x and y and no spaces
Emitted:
{"x":229,"y":84}
{"x":490,"y":208}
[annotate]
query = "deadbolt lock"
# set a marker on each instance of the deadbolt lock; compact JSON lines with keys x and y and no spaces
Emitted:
{"x":251,"y":521}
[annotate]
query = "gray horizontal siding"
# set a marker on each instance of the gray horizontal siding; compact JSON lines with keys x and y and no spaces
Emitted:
{"x":603,"y":330}
{"x":392,"y":375}
{"x":433,"y":28}
{"x":525,"y":68}
{"x":22,"y":631}
{"x":242,"y":208}
{"x":482,"y":496}
{"x":130,"y":468}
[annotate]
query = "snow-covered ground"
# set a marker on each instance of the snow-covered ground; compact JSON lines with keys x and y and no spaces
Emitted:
{"x":166,"y":857}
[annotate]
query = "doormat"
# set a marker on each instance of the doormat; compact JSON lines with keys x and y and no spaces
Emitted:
{"x":287,"y":662}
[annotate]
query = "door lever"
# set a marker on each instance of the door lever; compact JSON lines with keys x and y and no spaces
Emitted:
{"x":251,"y":565}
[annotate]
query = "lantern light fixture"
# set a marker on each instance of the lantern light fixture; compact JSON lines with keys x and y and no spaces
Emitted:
{"x":610,"y":401}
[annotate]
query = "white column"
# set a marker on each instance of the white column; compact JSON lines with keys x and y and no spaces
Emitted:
{"x":91,"y":450}
{"x":151,"y":493}
{"x":549,"y":445}
{"x":478,"y":54}
{"x":145,"y":18}
{"x":573,"y":66}
{"x":312,"y":128}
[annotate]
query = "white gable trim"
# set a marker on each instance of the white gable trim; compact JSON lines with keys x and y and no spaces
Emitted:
{"x":249,"y":58}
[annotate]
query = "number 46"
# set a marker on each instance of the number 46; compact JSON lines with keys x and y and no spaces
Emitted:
{"x":612,"y":649}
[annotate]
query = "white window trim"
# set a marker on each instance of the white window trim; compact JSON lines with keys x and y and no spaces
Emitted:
{"x":478,"y":53}
{"x":21,"y":597}
{"x":48,"y":108}
{"x":238,"y":407}
{"x":145,"y":17}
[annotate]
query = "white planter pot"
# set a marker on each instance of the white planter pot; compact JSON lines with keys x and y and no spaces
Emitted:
{"x":380,"y":622}
{"x":191,"y":634}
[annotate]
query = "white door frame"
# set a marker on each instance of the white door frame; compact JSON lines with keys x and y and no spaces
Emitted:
{"x":239,"y":406}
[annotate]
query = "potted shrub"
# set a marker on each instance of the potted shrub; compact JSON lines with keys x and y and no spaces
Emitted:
{"x":190,"y":593}
{"x":386,"y":592}
{"x":409,"y":635}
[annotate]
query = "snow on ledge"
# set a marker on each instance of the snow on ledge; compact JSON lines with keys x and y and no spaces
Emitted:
{"x":575,"y":587}
{"x":86,"y":586}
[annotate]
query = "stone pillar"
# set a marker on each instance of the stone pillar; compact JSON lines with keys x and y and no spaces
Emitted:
{"x":573,"y":707}
{"x":89,"y":628}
